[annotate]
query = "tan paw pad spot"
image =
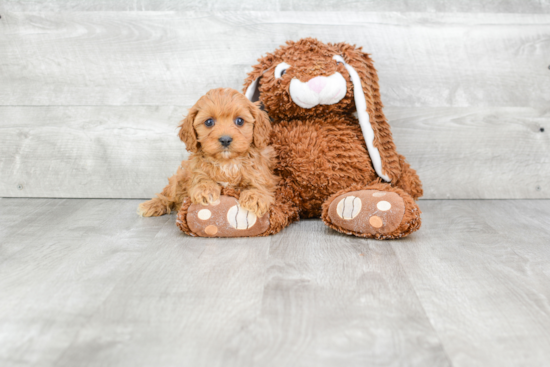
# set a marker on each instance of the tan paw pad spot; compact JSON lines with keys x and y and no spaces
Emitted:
{"x":383,"y":205}
{"x":204,"y":214}
{"x":375,"y":221}
{"x":211,"y":230}
{"x":240,"y":218}
{"x":378,"y":194}
{"x":349,"y":207}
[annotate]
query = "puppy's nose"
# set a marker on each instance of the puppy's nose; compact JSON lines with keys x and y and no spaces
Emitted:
{"x":317,"y":84}
{"x":225,"y":140}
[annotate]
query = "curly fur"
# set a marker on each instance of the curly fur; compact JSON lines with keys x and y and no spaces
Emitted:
{"x":246,"y":164}
{"x":321,"y":150}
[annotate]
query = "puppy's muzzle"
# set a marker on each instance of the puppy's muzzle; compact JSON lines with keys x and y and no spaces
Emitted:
{"x":225,"y":140}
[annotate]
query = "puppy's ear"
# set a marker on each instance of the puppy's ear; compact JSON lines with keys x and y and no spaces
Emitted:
{"x":262,"y":126}
{"x":187,"y":132}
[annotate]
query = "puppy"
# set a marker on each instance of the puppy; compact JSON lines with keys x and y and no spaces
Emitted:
{"x":227,"y":136}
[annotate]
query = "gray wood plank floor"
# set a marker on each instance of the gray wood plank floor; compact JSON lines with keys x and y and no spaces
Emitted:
{"x":88,"y":283}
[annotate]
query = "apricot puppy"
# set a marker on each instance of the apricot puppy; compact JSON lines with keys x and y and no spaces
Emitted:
{"x":227,"y":136}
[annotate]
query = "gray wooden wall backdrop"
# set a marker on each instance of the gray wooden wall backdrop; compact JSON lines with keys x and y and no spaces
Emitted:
{"x":91,"y":91}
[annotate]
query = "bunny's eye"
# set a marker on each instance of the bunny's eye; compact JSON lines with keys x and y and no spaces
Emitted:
{"x":209,"y":123}
{"x":280,"y":70}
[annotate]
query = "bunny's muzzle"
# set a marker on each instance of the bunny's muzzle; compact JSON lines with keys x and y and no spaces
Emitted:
{"x":319,"y":90}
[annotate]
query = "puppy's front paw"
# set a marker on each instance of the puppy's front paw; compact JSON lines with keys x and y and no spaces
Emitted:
{"x":152,"y":208}
{"x":255,"y":202}
{"x":206,"y":195}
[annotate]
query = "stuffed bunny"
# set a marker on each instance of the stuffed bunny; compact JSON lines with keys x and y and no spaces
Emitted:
{"x":336,"y":156}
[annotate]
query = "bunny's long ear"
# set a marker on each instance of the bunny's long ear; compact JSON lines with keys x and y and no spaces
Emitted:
{"x":252,"y":83}
{"x":376,"y":131}
{"x":252,"y":92}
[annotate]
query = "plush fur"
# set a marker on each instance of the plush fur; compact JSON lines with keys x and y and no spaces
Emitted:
{"x":321,"y":150}
{"x":246,"y":164}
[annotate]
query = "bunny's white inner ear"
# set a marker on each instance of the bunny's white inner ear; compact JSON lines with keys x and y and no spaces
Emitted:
{"x":364,"y":120}
{"x":252,"y":92}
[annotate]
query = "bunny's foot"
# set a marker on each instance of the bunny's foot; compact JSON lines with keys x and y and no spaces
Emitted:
{"x":377,"y":211}
{"x":226,"y":218}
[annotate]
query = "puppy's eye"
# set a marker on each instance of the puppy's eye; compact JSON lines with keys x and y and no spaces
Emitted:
{"x":239,"y":121}
{"x":209,"y":123}
{"x":280,"y":70}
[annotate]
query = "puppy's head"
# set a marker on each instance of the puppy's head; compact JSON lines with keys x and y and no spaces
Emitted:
{"x":224,"y":124}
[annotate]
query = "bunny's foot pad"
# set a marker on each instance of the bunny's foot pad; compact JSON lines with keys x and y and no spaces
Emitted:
{"x":373,"y":214}
{"x":222,"y":219}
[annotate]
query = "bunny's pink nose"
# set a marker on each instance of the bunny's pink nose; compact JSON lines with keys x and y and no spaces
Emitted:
{"x":317,"y":84}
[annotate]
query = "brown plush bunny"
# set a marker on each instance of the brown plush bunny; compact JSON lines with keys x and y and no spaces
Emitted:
{"x":337,"y":159}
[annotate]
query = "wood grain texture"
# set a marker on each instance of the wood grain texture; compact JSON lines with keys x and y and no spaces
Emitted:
{"x":481,"y":271}
{"x":336,"y":300}
{"x":210,"y":290}
{"x":69,"y":260}
{"x":171,"y":58}
{"x":129,"y":152}
{"x":476,"y":153}
{"x":468,"y":6}
{"x":100,"y":152}
{"x":87,"y":282}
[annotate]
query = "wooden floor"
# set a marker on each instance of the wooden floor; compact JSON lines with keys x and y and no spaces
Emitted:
{"x":89,"y":283}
